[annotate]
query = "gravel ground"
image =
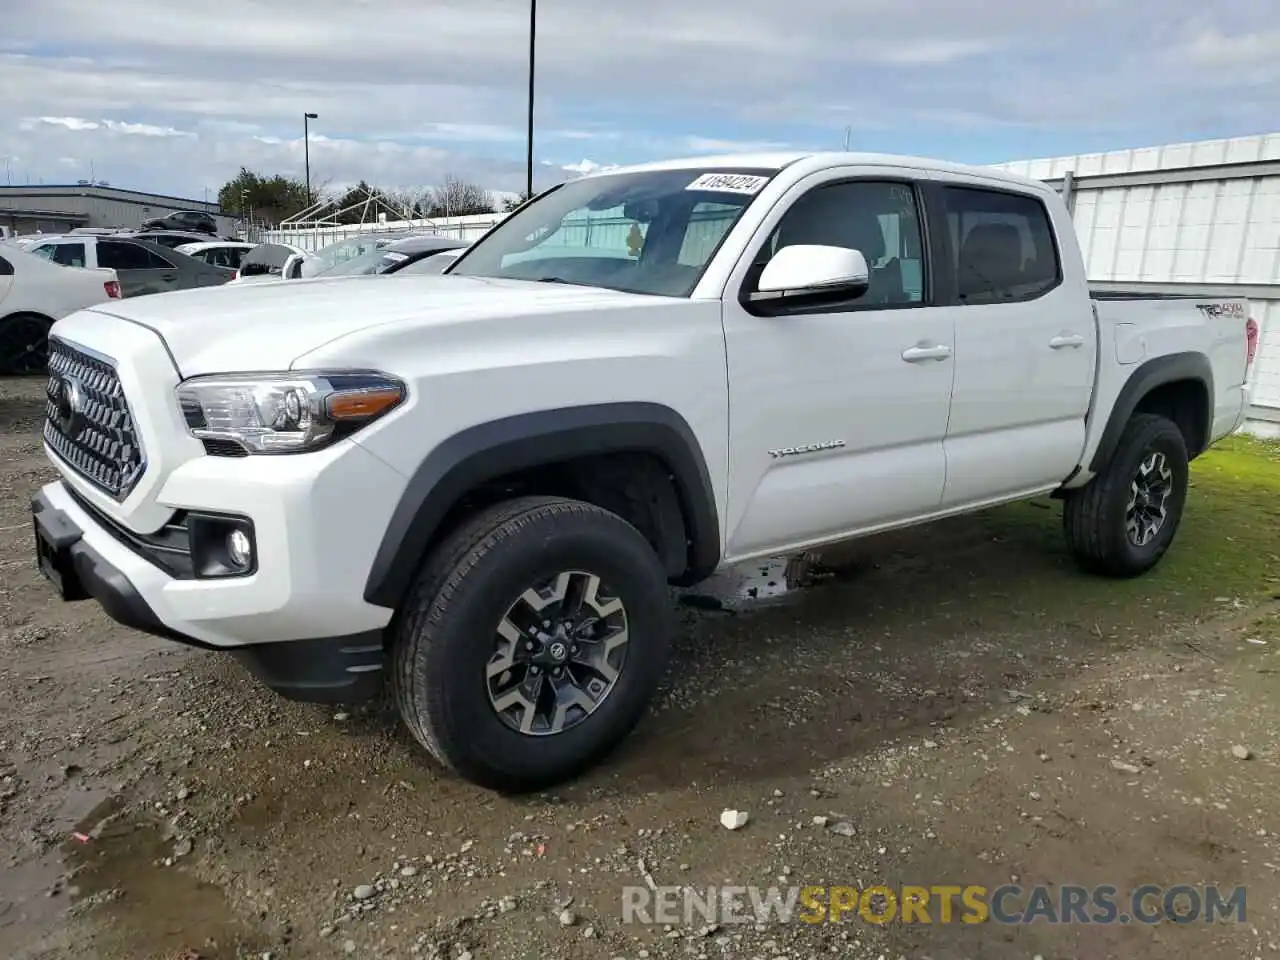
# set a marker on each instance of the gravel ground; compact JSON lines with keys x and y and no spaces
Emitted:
{"x":955,"y":705}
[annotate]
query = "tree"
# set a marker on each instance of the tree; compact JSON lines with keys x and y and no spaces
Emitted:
{"x":458,"y":198}
{"x":357,"y":198}
{"x":269,"y":199}
{"x":510,"y":203}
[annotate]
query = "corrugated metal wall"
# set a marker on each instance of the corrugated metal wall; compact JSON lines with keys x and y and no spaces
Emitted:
{"x":1198,"y":217}
{"x":104,"y":207}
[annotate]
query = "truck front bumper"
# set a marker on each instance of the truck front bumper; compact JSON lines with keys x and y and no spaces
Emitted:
{"x":84,"y":560}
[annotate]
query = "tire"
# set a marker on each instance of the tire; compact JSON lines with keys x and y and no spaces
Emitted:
{"x":1097,"y":517}
{"x":447,"y":638}
{"x":24,"y":344}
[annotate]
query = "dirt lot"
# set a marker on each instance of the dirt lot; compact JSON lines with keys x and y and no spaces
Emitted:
{"x":958,"y":703}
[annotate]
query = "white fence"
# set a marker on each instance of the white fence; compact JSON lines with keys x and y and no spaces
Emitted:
{"x":313,"y":238}
{"x":1197,"y":218}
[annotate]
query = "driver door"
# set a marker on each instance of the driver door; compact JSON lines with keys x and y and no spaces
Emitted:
{"x":838,"y":410}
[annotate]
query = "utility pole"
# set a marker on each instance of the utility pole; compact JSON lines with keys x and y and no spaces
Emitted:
{"x":533,"y":30}
{"x":306,"y":147}
{"x":847,"y":132}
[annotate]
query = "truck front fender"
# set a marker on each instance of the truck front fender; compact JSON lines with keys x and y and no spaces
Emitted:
{"x":543,"y":438}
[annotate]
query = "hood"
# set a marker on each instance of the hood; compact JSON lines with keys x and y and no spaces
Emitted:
{"x":246,"y":327}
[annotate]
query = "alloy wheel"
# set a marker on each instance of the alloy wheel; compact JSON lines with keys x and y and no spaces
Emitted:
{"x":558,"y":652}
{"x":1149,"y":493}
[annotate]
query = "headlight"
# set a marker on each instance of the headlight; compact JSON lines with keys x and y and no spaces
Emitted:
{"x":285,"y":412}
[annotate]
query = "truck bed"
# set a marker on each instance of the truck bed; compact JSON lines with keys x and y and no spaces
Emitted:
{"x":1141,"y":295}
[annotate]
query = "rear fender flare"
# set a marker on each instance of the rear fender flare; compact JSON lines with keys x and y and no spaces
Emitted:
{"x":1147,"y":377}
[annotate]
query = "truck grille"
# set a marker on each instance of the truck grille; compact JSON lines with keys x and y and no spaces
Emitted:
{"x":88,"y":423}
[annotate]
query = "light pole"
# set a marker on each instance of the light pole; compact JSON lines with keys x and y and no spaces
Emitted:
{"x":306,"y":147}
{"x":533,"y":28}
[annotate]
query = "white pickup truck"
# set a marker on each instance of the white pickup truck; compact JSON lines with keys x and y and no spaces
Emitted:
{"x":480,"y":485}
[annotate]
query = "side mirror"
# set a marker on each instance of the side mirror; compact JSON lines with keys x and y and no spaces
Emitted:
{"x":811,"y":271}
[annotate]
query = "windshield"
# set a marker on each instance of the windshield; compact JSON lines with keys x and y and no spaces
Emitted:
{"x":647,"y":232}
{"x":432,"y":264}
{"x":341,"y":252}
{"x":368,"y":262}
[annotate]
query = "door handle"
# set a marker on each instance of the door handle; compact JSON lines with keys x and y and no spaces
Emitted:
{"x":920,"y":353}
{"x":1066,"y":340}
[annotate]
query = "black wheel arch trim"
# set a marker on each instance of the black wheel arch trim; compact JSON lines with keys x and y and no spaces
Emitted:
{"x":493,"y":449}
{"x":1147,"y":377}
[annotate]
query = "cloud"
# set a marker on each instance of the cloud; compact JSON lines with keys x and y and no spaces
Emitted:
{"x":408,"y":92}
{"x":584,"y":166}
{"x":70,"y":123}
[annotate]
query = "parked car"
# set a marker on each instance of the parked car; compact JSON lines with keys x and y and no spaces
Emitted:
{"x":479,"y":486}
{"x":33,"y":294}
{"x":394,"y":256}
{"x":169,"y":238}
{"x":143,"y":267}
{"x":268,"y":261}
{"x":314,"y":263}
{"x":219,"y":253}
{"x":191,"y":220}
{"x":434,"y":263}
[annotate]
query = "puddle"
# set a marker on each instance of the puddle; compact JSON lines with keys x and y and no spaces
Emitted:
{"x":32,"y":893}
{"x":116,"y":867}
{"x":760,"y":583}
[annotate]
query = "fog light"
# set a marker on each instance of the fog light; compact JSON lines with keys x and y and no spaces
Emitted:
{"x":239,"y":549}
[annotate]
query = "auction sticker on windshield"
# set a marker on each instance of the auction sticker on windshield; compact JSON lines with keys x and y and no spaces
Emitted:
{"x":729,"y":183}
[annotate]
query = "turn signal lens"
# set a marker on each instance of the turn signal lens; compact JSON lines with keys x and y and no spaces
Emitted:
{"x":361,"y":404}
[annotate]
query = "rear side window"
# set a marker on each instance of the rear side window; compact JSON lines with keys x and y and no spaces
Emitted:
{"x":122,"y":256}
{"x":154,"y":260}
{"x":1003,"y":246}
{"x":6,"y":268}
{"x":128,"y":256}
{"x":68,"y":254}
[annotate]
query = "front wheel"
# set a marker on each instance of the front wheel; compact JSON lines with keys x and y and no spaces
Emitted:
{"x":532,"y":642}
{"x":1124,"y":520}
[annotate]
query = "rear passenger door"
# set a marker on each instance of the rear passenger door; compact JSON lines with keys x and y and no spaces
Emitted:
{"x":1025,"y":345}
{"x":140,"y":271}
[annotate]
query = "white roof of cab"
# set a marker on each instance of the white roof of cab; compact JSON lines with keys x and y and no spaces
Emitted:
{"x":818,"y":160}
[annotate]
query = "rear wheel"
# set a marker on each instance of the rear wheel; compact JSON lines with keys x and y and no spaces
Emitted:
{"x":24,"y":344}
{"x":532,"y":642}
{"x":1122,"y":523}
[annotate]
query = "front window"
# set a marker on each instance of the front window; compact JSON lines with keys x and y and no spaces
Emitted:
{"x":649,"y":232}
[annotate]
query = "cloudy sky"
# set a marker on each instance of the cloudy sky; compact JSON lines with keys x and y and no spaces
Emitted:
{"x":174,"y":97}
